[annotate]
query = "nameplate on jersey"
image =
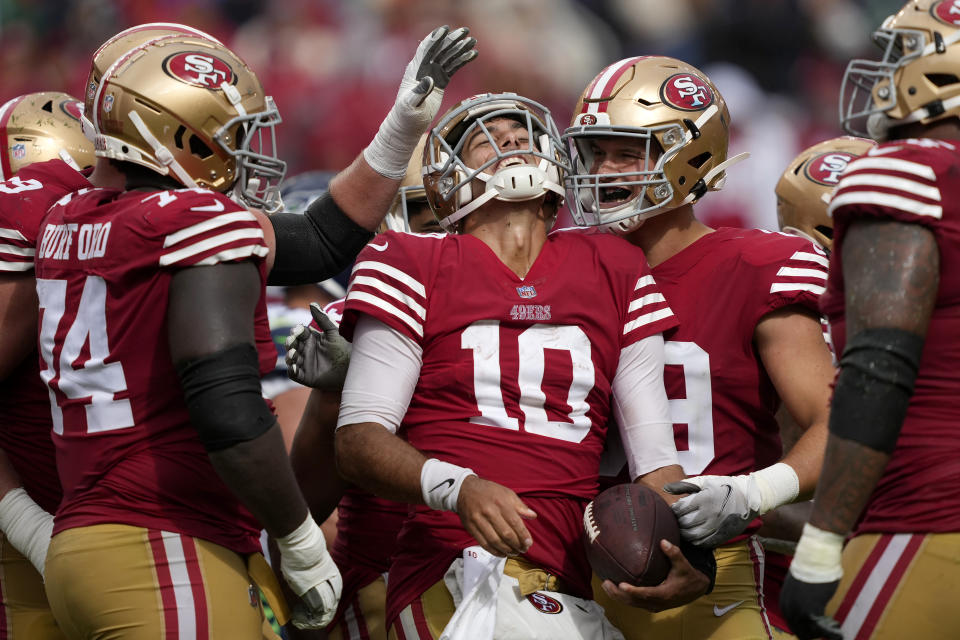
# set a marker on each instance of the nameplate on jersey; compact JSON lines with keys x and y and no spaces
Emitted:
{"x":89,"y":240}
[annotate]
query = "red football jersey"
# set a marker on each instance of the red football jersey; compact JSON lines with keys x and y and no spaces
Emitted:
{"x":24,"y":403}
{"x":515,"y":381}
{"x":126,"y":450}
{"x":912,"y":181}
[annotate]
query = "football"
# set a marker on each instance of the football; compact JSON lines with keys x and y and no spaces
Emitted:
{"x":623,"y":527}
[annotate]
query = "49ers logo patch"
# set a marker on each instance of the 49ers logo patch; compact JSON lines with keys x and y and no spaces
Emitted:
{"x":73,"y":108}
{"x":686,"y":92}
{"x":199,"y":69}
{"x":544,"y":603}
{"x":947,"y":12}
{"x":826,"y":168}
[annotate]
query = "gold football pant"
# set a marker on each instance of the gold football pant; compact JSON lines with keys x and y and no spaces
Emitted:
{"x":117,"y":582}
{"x":899,"y":586}
{"x":25,"y":613}
{"x":734,"y":610}
{"x":364,"y":617}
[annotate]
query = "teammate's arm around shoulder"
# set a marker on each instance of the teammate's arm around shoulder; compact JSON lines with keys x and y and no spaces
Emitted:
{"x":212,"y":345}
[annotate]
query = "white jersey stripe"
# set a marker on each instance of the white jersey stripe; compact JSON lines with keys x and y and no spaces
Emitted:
{"x":350,"y":621}
{"x":15,"y":266}
{"x":17,"y":251}
{"x":885,"y":200}
{"x":874,"y":584}
{"x":802,"y":273}
{"x":811,"y":257}
{"x":211,"y":243}
{"x":234,"y":254}
{"x":645,"y":281}
{"x":12,"y":234}
{"x":206,"y":225}
{"x":408,"y":625}
{"x":650,"y":298}
{"x":380,"y":303}
{"x":777,"y":287}
{"x":891,"y":164}
{"x":646,"y":318}
{"x":394,"y":273}
{"x":182,"y":589}
{"x":890,"y":182}
{"x":392,"y":292}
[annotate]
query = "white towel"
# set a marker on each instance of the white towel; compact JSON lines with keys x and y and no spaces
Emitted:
{"x":473,"y":583}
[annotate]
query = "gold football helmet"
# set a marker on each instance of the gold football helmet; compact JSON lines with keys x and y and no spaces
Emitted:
{"x":449,"y":183}
{"x":804,"y":189}
{"x":191,"y":109}
{"x":126,"y":40}
{"x":42,"y":126}
{"x":916,"y":78}
{"x":678,"y":121}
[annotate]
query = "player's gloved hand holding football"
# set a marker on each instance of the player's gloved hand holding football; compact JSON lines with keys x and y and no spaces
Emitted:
{"x":318,"y":359}
{"x":438,"y":57}
{"x":311,"y":573}
{"x":814,"y":576}
{"x":720,"y":507}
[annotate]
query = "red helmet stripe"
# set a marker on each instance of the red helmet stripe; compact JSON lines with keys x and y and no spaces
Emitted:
{"x":604,"y":83}
{"x":181,"y":29}
{"x":6,"y":172}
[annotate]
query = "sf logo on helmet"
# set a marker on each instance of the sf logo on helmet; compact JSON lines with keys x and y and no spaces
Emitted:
{"x":947,"y":12}
{"x":826,"y":168}
{"x":199,"y":69}
{"x":687,"y":92}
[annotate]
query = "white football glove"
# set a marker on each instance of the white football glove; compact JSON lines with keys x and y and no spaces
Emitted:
{"x":27,"y":527}
{"x":438,"y":57}
{"x":312,"y":574}
{"x":720,"y":507}
{"x":318,"y":359}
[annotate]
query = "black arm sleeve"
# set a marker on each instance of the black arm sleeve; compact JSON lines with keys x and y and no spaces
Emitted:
{"x":316,"y":245}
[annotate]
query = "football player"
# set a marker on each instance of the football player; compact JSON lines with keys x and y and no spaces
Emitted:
{"x":803,"y":193}
{"x":892,"y":303}
{"x":42,"y":142}
{"x":477,"y":348}
{"x":170,"y":456}
{"x":648,"y":139}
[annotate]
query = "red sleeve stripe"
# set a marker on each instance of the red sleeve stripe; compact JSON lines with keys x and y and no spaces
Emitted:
{"x":251,"y":238}
{"x":398,"y":275}
{"x":378,"y":302}
{"x":649,"y":299}
{"x":390,"y":292}
{"x":891,"y":164}
{"x":646,"y":319}
{"x":890,"y":182}
{"x":889,"y":200}
{"x":206,"y":225}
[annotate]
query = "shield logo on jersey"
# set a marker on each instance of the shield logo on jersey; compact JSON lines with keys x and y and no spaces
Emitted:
{"x":526,"y":292}
{"x":73,"y":108}
{"x":826,"y":168}
{"x":544,"y":603}
{"x":18,"y":151}
{"x":686,"y":92}
{"x":947,"y":12}
{"x":199,"y":69}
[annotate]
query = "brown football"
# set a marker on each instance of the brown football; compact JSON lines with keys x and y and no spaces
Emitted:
{"x":623,"y":527}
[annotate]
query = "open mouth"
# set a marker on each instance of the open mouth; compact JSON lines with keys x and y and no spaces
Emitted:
{"x":615,"y":195}
{"x":509,"y":162}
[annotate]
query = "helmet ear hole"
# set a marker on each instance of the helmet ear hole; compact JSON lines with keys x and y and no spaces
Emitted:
{"x":199,"y":148}
{"x":698,"y":161}
{"x":941,"y":79}
{"x":825,"y":230}
{"x":178,"y":136}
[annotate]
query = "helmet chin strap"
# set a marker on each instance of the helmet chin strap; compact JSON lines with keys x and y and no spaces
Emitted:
{"x":710,"y":175}
{"x":160,"y":152}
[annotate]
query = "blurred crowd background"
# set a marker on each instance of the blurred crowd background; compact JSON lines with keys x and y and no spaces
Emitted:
{"x":334,"y":65}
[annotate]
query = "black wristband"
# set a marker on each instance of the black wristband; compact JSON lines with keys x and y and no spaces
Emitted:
{"x":316,"y":245}
{"x":223,"y":397}
{"x":701,"y":559}
{"x":877,"y":373}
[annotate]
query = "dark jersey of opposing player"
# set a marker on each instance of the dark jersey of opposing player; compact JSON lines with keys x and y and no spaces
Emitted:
{"x":24,"y":403}
{"x":126,"y":450}
{"x":915,"y":182}
{"x":515,"y":380}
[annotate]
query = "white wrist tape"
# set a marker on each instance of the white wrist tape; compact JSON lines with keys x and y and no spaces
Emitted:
{"x":304,"y":555}
{"x":440,"y":484}
{"x":818,"y":556}
{"x":27,"y":526}
{"x":778,"y":484}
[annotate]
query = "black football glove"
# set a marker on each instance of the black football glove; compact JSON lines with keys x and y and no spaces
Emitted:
{"x":803,"y":604}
